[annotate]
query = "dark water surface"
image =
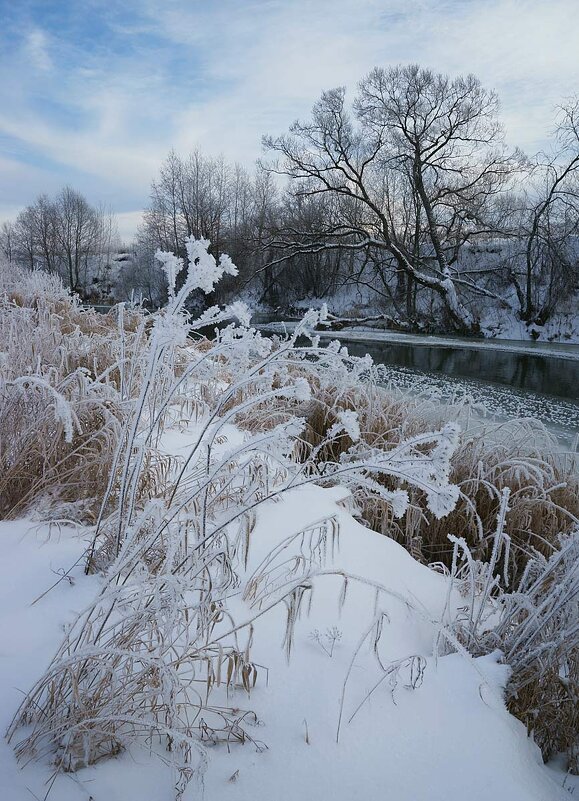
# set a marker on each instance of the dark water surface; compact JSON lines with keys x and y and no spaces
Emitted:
{"x":538,"y":367}
{"x":510,"y":379}
{"x":540,"y":372}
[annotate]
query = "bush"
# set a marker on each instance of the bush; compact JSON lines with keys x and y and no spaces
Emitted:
{"x":65,"y":375}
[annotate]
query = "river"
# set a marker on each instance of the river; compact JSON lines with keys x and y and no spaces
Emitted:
{"x":510,"y":378}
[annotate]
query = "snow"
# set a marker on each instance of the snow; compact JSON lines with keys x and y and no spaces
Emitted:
{"x":204,"y":272}
{"x":563,"y":326}
{"x":349,"y":421}
{"x":449,"y":738}
{"x":34,"y":558}
{"x":434,"y":742}
{"x":171,"y":266}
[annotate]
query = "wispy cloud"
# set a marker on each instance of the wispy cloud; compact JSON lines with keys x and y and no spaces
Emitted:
{"x":36,"y":48}
{"x":99,"y":94}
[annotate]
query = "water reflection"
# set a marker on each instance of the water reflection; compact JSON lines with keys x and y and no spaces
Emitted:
{"x":546,"y":374}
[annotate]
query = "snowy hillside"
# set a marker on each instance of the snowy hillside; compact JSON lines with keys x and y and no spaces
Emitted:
{"x":431,"y":741}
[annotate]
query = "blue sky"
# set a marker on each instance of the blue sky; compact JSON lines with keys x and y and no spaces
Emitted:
{"x":94,"y":94}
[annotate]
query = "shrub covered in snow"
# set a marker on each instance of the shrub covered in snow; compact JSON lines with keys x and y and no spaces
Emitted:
{"x":131,"y":664}
{"x":64,"y":381}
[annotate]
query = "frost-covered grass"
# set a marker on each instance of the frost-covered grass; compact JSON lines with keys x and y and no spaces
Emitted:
{"x":520,"y":455}
{"x":63,"y":393}
{"x":536,"y":627}
{"x":213,"y":539}
{"x":520,"y":458}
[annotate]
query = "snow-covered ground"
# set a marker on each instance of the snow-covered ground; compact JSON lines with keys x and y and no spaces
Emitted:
{"x":561,"y":327}
{"x":353,"y":300}
{"x":446,"y":738}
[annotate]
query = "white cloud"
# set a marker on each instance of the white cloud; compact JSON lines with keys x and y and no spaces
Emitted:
{"x":275,"y":58}
{"x":127,"y":224}
{"x":36,"y":49}
{"x":219,"y":75}
{"x":20,"y":183}
{"x":87,"y":151}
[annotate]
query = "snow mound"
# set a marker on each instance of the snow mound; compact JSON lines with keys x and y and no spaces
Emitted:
{"x":410,"y":726}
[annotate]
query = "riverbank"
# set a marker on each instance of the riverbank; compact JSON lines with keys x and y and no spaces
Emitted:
{"x":561,"y":350}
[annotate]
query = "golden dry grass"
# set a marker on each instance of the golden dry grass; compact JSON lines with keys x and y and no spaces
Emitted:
{"x":520,"y":455}
{"x":57,"y":358}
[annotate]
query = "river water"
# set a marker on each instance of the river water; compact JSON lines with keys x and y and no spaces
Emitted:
{"x":510,"y":378}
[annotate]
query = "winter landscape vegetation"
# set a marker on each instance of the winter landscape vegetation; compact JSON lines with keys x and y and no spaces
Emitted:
{"x":289,"y":452}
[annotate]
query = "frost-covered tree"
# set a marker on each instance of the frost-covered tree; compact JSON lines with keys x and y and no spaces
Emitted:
{"x":65,"y":235}
{"x":416,"y":160}
{"x":549,"y":270}
{"x":7,"y":241}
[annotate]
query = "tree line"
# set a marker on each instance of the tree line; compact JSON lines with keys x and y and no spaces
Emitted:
{"x":406,"y":194}
{"x":64,"y":235}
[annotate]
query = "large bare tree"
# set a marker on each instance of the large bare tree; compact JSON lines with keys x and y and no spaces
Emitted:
{"x":416,"y":161}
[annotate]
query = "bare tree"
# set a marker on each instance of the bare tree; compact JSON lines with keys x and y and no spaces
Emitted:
{"x":26,"y":245}
{"x":551,"y":258}
{"x":8,"y":241}
{"x":418,"y":159}
{"x":191,"y":197}
{"x":211,"y":199}
{"x":64,"y":235}
{"x":78,"y":233}
{"x":312,"y":273}
{"x":34,"y":235}
{"x":46,"y":232}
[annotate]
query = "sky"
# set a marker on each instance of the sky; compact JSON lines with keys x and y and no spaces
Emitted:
{"x":94,"y":94}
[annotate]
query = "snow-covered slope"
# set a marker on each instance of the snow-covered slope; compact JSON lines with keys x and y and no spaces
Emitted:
{"x":448,"y":738}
